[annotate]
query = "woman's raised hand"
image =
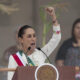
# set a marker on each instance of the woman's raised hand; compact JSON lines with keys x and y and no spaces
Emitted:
{"x":51,"y":12}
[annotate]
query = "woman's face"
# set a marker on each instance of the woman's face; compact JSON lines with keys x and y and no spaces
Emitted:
{"x":28,"y":39}
{"x":77,"y":30}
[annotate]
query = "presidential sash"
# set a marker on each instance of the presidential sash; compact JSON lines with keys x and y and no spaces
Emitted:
{"x":18,"y":59}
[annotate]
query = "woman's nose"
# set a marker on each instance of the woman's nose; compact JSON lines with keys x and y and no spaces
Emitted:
{"x":33,"y":38}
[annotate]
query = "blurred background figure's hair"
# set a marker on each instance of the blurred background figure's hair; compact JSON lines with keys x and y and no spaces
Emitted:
{"x":73,"y":27}
{"x":11,"y":50}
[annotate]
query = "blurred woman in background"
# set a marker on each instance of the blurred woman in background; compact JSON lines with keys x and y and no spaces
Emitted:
{"x":69,"y":52}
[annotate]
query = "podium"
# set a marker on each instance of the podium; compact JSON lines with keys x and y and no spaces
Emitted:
{"x":24,"y":73}
{"x":66,"y":73}
{"x":28,"y":73}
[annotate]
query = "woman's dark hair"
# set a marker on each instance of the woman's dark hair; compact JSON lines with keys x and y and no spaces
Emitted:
{"x":22,"y":30}
{"x":73,"y":27}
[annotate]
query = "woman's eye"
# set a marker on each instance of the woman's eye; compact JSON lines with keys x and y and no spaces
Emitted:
{"x":34,"y":35}
{"x":29,"y":36}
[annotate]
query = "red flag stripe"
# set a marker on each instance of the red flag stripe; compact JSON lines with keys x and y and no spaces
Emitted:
{"x":18,"y":60}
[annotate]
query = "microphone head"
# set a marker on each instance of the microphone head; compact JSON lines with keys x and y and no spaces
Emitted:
{"x":29,"y":48}
{"x":39,"y":48}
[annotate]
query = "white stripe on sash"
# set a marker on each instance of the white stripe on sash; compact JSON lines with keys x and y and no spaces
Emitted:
{"x":19,"y":56}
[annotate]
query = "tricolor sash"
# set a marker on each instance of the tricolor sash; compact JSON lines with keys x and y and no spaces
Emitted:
{"x":30,"y":62}
{"x":18,"y":59}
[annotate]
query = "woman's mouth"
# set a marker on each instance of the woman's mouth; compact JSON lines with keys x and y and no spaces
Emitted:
{"x":32,"y":44}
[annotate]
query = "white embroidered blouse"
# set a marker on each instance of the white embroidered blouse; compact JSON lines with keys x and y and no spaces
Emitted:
{"x":37,"y":56}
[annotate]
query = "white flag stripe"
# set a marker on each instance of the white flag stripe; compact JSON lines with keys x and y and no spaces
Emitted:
{"x":19,"y":56}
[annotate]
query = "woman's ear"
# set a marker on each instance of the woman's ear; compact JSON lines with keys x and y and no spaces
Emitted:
{"x":20,"y":43}
{"x":20,"y":40}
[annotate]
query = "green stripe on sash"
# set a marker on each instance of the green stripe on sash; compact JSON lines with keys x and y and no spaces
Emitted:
{"x":30,"y":62}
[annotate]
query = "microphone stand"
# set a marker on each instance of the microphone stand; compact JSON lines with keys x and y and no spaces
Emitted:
{"x":44,"y":54}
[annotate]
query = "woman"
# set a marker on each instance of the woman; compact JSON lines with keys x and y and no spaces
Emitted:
{"x":29,"y":55}
{"x":69,"y":52}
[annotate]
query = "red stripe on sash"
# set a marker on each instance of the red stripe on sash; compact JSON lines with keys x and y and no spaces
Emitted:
{"x":18,"y":60}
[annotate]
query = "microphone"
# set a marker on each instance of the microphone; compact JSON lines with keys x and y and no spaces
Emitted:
{"x":29,"y":48}
{"x":44,"y":54}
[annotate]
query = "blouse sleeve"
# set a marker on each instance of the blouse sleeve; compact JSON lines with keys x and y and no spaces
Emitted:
{"x":11,"y":64}
{"x":54,"y":41}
